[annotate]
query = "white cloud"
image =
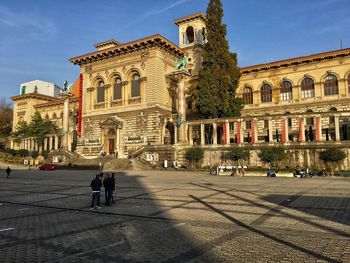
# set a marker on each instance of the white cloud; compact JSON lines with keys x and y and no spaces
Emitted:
{"x":33,"y":24}
{"x":157,"y":11}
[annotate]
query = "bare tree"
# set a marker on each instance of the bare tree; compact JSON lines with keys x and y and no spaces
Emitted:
{"x":6,"y":116}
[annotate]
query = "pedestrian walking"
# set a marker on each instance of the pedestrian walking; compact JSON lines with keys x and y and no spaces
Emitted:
{"x":8,"y":171}
{"x":113,"y":187}
{"x":96,"y":185}
{"x":105,"y":185}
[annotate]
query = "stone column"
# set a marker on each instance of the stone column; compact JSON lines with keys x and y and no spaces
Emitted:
{"x":270,"y":130}
{"x":50,"y":143}
{"x":336,"y":127}
{"x":255,"y":135}
{"x":202,"y":134}
{"x":182,"y":110}
{"x":301,"y":129}
{"x":56,"y":142}
{"x":240,"y":138}
{"x":175,"y":135}
{"x":190,"y":134}
{"x":318,"y":128}
{"x":227,"y":132}
{"x":180,"y":76}
{"x":65,"y":126}
{"x":215,"y":133}
{"x":285,"y":132}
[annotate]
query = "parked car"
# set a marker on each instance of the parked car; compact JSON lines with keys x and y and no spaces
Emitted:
{"x":47,"y":167}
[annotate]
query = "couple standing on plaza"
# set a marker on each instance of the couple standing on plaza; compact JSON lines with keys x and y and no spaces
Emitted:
{"x":96,"y":185}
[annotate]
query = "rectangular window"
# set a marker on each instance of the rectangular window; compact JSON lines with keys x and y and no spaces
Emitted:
{"x":248,"y":125}
{"x":266,"y":124}
{"x":100,"y":94}
{"x":135,"y":88}
{"x":117,"y":91}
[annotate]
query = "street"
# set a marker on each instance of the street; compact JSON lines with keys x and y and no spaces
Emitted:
{"x":174,"y":217}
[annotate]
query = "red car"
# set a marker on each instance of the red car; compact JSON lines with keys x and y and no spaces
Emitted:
{"x":47,"y":167}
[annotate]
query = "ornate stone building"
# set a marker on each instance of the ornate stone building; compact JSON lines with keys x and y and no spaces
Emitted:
{"x":131,"y":96}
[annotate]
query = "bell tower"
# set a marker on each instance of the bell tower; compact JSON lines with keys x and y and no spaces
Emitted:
{"x":191,"y":30}
{"x":192,"y":35}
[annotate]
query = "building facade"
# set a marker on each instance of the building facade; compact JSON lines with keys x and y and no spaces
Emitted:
{"x":41,"y":87}
{"x":132,"y":96}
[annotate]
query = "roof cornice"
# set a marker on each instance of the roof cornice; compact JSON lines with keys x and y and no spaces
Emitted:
{"x":140,"y":44}
{"x":189,"y":18}
{"x":33,"y":95}
{"x":296,"y":61}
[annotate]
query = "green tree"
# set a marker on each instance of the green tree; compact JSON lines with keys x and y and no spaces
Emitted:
{"x":37,"y":129}
{"x":237,"y":154}
{"x":21,"y":131}
{"x":272,"y":155}
{"x":219,"y":76}
{"x":332,"y":157}
{"x":194,"y":155}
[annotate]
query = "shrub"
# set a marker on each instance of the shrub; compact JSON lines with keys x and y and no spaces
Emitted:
{"x":34,"y":154}
{"x":45,"y":154}
{"x":272,"y":155}
{"x":194,"y":154}
{"x":22,"y":153}
{"x":237,"y":154}
{"x":331,"y":157}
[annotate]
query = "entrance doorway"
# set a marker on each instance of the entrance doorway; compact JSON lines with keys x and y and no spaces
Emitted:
{"x":111,"y":146}
{"x":169,"y":136}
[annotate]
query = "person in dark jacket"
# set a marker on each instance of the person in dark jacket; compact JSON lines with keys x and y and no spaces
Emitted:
{"x":113,"y":187}
{"x":96,"y":185}
{"x":105,"y":185}
{"x":8,"y":171}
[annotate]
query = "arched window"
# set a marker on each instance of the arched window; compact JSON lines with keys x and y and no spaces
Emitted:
{"x":54,"y":116}
{"x":248,"y":96}
{"x":266,"y":93}
{"x":46,"y":116}
{"x":100,"y":92}
{"x":307,"y":88}
{"x":189,"y":35}
{"x":331,"y":85}
{"x":286,"y":90}
{"x":135,"y":85}
{"x":117,"y":94}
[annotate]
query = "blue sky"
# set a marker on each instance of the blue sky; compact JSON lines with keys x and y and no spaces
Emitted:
{"x":39,"y":36}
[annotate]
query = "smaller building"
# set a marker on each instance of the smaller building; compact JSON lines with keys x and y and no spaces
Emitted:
{"x":41,"y":87}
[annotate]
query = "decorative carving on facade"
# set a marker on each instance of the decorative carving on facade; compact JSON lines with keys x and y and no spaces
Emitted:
{"x":111,"y":122}
{"x":91,"y":77}
{"x":88,"y":126}
{"x":124,"y":69}
{"x":88,"y":68}
{"x":141,"y":120}
{"x":106,"y":74}
{"x":144,"y":56}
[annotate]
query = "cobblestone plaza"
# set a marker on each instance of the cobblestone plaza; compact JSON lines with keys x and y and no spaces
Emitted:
{"x":174,"y":217}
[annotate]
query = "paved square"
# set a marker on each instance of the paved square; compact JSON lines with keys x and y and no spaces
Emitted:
{"x":174,"y":217}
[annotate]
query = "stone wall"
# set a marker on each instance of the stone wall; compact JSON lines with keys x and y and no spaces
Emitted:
{"x":301,"y":155}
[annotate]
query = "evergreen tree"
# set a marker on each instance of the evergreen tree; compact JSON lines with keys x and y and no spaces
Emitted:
{"x":219,"y":76}
{"x":37,"y":129}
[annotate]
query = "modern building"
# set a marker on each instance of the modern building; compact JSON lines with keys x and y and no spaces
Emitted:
{"x":41,"y":87}
{"x":131,"y":98}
